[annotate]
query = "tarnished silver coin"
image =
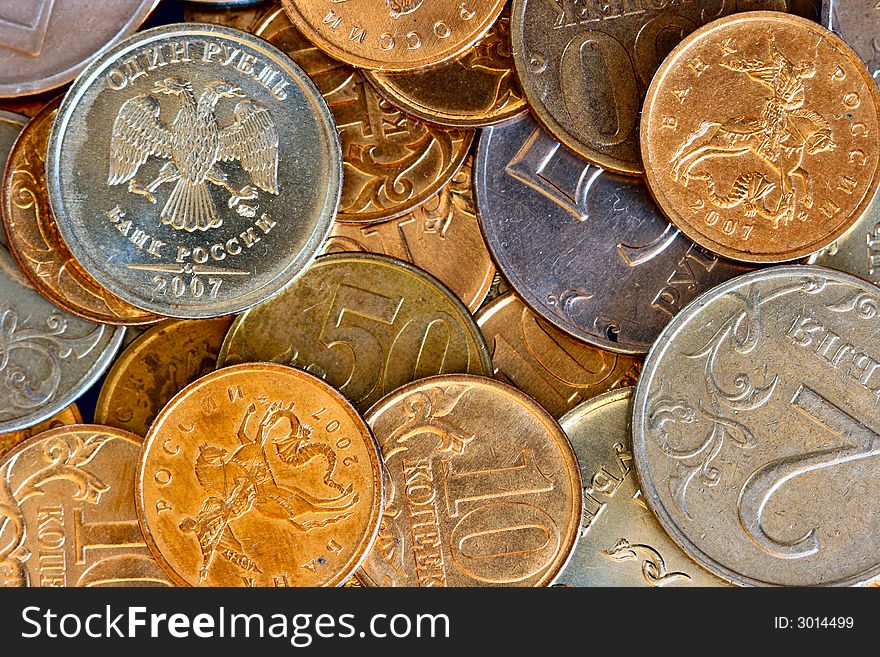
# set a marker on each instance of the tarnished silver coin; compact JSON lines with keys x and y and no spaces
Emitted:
{"x":756,"y":432}
{"x":858,"y":23}
{"x":194,"y":170}
{"x":857,"y":252}
{"x":587,"y":250}
{"x":621,"y":542}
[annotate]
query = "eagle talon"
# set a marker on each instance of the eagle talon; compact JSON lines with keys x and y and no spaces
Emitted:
{"x":135,"y":187}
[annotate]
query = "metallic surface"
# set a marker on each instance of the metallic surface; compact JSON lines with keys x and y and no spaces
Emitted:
{"x":246,"y":197}
{"x":482,"y":487}
{"x":260,"y":475}
{"x":157,"y":366}
{"x":759,"y":137}
{"x":621,"y":542}
{"x":69,"y":415}
{"x":589,"y":251}
{"x":558,"y":371}
{"x":856,"y":21}
{"x":244,"y":17}
{"x":755,"y":428}
{"x":392,"y":163}
{"x":67,"y":516}
{"x":367,"y":324}
{"x":857,"y":252}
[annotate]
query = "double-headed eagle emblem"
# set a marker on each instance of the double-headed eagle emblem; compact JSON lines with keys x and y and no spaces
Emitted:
{"x":195,"y":144}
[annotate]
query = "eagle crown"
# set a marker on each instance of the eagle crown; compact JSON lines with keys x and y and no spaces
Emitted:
{"x":172,"y":86}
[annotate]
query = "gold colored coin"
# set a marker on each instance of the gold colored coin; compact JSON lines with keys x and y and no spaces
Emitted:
{"x":69,"y":415}
{"x":442,"y":237}
{"x":67,"y":511}
{"x":259,"y":475}
{"x":392,"y":163}
{"x":158,"y":365}
{"x":367,"y":324}
{"x":482,"y":487}
{"x":34,"y":239}
{"x":555,"y":369}
{"x":759,"y":136}
{"x":242,"y":17}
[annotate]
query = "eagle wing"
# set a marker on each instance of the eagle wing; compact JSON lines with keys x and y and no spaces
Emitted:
{"x":137,"y":134}
{"x":253,"y":141}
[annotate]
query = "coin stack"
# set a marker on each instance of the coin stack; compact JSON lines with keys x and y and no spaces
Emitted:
{"x":413,"y":293}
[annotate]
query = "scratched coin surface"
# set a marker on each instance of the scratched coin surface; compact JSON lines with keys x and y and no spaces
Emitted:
{"x":392,"y":163}
{"x":67,"y":511}
{"x":394,"y":35}
{"x":558,"y":371}
{"x":759,"y":136}
{"x":755,"y":428}
{"x":193,"y":170}
{"x":66,"y":416}
{"x":588,"y":250}
{"x":482,"y":487}
{"x":621,"y":543}
{"x":857,"y":252}
{"x":157,"y":366}
{"x":442,"y":237}
{"x":856,"y":21}
{"x":365,"y":323}
{"x":260,"y":475}
{"x":34,"y":240}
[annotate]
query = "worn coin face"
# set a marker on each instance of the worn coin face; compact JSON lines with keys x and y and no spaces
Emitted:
{"x":392,"y":163}
{"x":589,"y":251}
{"x":539,"y":359}
{"x":259,"y":475}
{"x":621,"y":542}
{"x":482,"y":487}
{"x":157,"y":366}
{"x":442,"y":237}
{"x":193,"y":170}
{"x":857,"y":252}
{"x":367,"y":324}
{"x":755,"y":428}
{"x":34,"y":240}
{"x":69,"y":415}
{"x":585,"y":66}
{"x":394,"y":35}
{"x":68,"y":512}
{"x":759,"y":137}
{"x":856,"y":21}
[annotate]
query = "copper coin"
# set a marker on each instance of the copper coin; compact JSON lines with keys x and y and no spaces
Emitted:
{"x":392,"y":163}
{"x":67,"y":511}
{"x":28,"y":105}
{"x":759,"y":136}
{"x":442,"y":237}
{"x":243,"y":17}
{"x":482,"y":487}
{"x":158,"y":365}
{"x":34,"y":239}
{"x":858,"y":251}
{"x":259,"y":475}
{"x":397,"y":35}
{"x":69,"y":415}
{"x":539,"y":359}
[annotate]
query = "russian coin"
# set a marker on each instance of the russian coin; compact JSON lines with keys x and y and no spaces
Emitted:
{"x":402,"y":35}
{"x":34,"y":241}
{"x":66,"y":416}
{"x":158,"y":365}
{"x":858,"y":251}
{"x":68,"y":512}
{"x":499,"y":286}
{"x":856,"y":21}
{"x":621,"y":542}
{"x":587,"y":250}
{"x":442,"y":237}
{"x":482,"y":487}
{"x":759,"y":137}
{"x":754,"y":424}
{"x":259,"y":475}
{"x":585,"y":66}
{"x":242,"y":16}
{"x":211,"y":211}
{"x":392,"y":163}
{"x":365,"y":323}
{"x":46,"y":43}
{"x":558,"y":371}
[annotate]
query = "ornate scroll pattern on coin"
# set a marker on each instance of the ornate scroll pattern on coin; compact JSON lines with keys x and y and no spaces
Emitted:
{"x":653,"y":567}
{"x":69,"y":415}
{"x":856,"y":22}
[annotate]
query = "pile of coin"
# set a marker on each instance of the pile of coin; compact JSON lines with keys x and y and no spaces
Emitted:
{"x":413,"y":293}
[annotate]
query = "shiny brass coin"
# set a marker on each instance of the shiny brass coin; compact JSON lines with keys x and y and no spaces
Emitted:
{"x":259,"y":475}
{"x":34,"y":240}
{"x":482,"y":487}
{"x":397,"y":35}
{"x":759,"y":136}
{"x":499,"y":287}
{"x":158,"y":365}
{"x":392,"y":163}
{"x":67,"y":511}
{"x":365,"y":323}
{"x":539,"y":359}
{"x":442,"y":237}
{"x":242,"y":17}
{"x":69,"y":415}
{"x":858,"y":251}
